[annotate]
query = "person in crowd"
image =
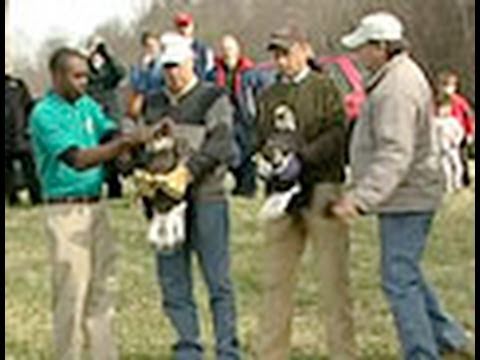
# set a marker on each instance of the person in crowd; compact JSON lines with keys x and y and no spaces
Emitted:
{"x":19,"y":166}
{"x":450,"y":136}
{"x":106,"y":74}
{"x":397,"y":175}
{"x":204,"y":55}
{"x":146,"y":75}
{"x":231,"y":65}
{"x":448,"y":83}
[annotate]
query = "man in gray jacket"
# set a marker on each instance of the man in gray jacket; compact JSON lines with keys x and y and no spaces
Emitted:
{"x":197,"y":180}
{"x":396,"y":174}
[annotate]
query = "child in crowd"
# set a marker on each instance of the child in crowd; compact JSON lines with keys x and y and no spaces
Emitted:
{"x":450,"y":135}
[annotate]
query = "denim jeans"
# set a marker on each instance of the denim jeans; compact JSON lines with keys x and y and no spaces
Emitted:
{"x":423,"y":327}
{"x":245,"y":178}
{"x":208,"y":238}
{"x":244,"y":169}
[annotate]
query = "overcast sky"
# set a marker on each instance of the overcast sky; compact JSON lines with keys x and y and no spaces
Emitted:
{"x":33,"y":21}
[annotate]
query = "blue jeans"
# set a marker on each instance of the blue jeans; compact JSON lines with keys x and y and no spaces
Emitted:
{"x":208,"y":237}
{"x":423,"y":327}
{"x":244,"y":170}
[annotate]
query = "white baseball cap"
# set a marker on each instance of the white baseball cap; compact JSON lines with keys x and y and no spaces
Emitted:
{"x":170,"y":37}
{"x":176,"y":49}
{"x":381,"y":26}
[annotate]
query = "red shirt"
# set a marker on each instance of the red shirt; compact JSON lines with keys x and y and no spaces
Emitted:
{"x":462,"y":111}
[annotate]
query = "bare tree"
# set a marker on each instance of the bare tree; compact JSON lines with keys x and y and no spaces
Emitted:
{"x":9,"y":68}
{"x":442,"y":32}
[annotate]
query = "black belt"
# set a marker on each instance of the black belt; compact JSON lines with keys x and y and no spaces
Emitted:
{"x":74,"y":200}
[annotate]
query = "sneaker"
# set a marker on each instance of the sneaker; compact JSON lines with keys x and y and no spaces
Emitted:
{"x":466,"y":352}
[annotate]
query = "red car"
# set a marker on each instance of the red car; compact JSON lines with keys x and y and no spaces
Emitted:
{"x":349,"y":79}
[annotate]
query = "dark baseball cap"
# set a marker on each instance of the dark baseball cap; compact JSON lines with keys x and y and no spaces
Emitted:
{"x":285,"y":37}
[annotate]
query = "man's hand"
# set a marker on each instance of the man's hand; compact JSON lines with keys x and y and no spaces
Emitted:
{"x":345,"y":210}
{"x":103,"y":51}
{"x":139,"y":135}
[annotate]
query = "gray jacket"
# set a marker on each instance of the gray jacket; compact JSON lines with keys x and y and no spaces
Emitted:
{"x":205,"y":106}
{"x":395,"y":156}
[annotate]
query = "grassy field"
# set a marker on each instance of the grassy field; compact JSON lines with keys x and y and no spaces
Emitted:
{"x":144,"y":332}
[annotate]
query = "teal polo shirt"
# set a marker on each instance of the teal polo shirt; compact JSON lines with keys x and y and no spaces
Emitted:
{"x":56,"y":126}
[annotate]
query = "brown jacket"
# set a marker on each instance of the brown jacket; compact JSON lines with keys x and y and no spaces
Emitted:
{"x":315,"y":106}
{"x":395,"y":157}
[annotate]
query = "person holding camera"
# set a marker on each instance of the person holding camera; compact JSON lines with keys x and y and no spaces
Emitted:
{"x":18,"y":105}
{"x":105,"y":76}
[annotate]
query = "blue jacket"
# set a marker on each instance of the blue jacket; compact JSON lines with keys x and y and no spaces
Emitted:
{"x":203,"y":59}
{"x":147,"y":80}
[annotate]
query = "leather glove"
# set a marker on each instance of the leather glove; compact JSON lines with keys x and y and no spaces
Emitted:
{"x":175,"y":183}
{"x":145,"y":184}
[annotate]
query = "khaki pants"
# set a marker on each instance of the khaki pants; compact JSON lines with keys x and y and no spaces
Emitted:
{"x":285,"y":243}
{"x":82,"y":254}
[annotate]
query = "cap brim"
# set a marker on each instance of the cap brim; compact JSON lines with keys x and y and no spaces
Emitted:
{"x":354,"y":40}
{"x":169,"y":59}
{"x":175,"y":56}
{"x":183,"y":22}
{"x":278,"y":44}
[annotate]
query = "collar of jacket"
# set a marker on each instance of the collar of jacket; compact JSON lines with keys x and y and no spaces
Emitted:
{"x":378,"y":76}
{"x":297,"y":79}
{"x":244,"y":64}
{"x":175,"y":98}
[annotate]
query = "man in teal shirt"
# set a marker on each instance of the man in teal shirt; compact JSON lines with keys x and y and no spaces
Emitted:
{"x":71,"y":139}
{"x":59,"y":126}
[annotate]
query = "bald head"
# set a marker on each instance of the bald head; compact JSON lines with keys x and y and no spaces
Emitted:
{"x":230,"y":50}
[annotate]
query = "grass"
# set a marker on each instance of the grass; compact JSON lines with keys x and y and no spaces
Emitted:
{"x":143,"y":331}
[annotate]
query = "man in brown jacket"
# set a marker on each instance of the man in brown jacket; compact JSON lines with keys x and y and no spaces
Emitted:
{"x":304,"y":108}
{"x":396,"y":174}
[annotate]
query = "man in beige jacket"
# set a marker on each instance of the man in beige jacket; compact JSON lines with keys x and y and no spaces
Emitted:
{"x":396,"y":174}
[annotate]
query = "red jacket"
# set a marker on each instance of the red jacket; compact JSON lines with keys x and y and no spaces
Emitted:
{"x":244,"y":64}
{"x":464,"y":113}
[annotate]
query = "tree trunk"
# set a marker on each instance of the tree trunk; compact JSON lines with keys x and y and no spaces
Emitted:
{"x":8,"y":41}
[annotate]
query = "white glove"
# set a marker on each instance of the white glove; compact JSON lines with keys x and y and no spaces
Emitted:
{"x":275,"y":206}
{"x":264,"y":168}
{"x":168,"y":230}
